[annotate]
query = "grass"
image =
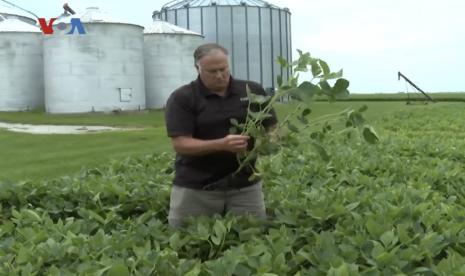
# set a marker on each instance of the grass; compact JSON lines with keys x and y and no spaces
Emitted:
{"x":40,"y":157}
{"x":34,"y":157}
{"x":153,"y":118}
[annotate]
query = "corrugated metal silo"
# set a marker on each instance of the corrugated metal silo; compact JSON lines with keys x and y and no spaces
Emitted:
{"x":169,"y":62}
{"x":255,"y":32}
{"x":101,"y":71}
{"x":8,"y":11}
{"x":21,"y":66}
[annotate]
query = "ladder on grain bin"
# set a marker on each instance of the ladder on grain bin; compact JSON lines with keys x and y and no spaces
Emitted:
{"x":400,"y":75}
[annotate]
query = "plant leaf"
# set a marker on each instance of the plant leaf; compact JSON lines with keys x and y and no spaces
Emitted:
{"x":370,"y":135}
{"x":363,"y":108}
{"x":303,"y":120}
{"x":316,"y":69}
{"x":321,"y":151}
{"x":292,"y":127}
{"x":305,"y":91}
{"x":340,"y":87}
{"x":324,"y":67}
{"x":279,"y":80}
{"x":333,"y":75}
{"x":118,"y":270}
{"x":325,"y":87}
{"x":306,"y":112}
{"x":283,"y":62}
{"x":257,"y":99}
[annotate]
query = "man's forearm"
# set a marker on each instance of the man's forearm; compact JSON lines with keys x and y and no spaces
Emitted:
{"x":194,"y":146}
{"x":188,"y":145}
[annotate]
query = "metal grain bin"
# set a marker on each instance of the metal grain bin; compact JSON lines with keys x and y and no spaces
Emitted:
{"x":21,"y":66}
{"x":101,"y":71}
{"x":169,"y":62}
{"x":255,"y":32}
{"x":7,"y":11}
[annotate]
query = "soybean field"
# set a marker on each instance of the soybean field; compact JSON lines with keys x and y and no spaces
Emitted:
{"x":395,"y":207}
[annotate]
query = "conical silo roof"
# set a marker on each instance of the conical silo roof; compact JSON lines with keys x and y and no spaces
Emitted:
{"x":9,"y":10}
{"x":162,"y":27}
{"x":202,"y":3}
{"x":17,"y":26}
{"x":93,"y":15}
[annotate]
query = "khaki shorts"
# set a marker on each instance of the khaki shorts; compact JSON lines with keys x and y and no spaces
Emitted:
{"x":185,"y":202}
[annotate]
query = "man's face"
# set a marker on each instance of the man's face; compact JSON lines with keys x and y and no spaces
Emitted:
{"x":213,"y":70}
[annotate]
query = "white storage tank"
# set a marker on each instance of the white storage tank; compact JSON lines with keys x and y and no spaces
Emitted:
{"x":21,"y":66}
{"x":99,"y":71}
{"x":169,"y":61}
{"x":8,"y":11}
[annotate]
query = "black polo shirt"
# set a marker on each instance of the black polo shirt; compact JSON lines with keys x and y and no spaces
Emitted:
{"x":194,"y":110}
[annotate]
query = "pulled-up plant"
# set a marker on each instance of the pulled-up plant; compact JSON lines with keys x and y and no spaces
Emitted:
{"x":300,"y":94}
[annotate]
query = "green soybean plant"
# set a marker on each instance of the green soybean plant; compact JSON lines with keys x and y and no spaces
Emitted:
{"x":301,"y":94}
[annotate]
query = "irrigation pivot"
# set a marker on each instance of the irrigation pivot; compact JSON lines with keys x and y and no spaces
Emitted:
{"x":399,"y":75}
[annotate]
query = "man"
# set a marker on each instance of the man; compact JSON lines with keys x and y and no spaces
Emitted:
{"x":198,"y":121}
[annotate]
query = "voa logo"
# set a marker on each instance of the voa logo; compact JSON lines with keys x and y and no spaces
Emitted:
{"x":76,"y":25}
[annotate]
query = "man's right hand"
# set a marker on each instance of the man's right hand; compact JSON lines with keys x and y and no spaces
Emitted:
{"x":235,"y":143}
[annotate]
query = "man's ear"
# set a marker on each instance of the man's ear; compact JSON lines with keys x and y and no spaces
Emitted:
{"x":197,"y":67}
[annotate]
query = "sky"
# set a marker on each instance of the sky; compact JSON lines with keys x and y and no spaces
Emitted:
{"x":371,"y":40}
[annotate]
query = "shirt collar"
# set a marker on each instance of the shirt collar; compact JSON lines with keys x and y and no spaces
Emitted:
{"x":204,"y":91}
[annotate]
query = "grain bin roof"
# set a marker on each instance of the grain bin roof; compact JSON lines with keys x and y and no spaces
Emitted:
{"x":162,"y":27}
{"x":92,"y":15}
{"x":16,"y":25}
{"x":202,"y":3}
{"x":6,"y":9}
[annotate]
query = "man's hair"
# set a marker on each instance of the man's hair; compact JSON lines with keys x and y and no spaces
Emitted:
{"x":205,"y":49}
